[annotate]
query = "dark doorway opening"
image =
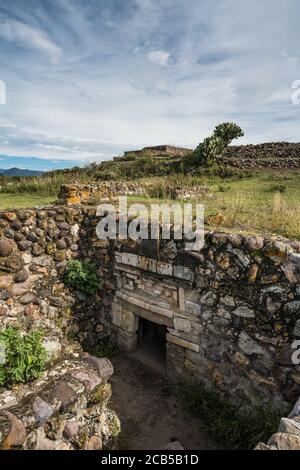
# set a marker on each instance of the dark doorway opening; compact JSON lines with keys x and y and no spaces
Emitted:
{"x":151,"y":349}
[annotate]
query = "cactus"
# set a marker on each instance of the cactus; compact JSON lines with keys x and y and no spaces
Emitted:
{"x":209,"y":150}
{"x":212,"y":147}
{"x":228,"y":131}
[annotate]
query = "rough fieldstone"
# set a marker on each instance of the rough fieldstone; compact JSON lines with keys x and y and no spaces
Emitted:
{"x":42,"y":410}
{"x":292,"y":308}
{"x":209,"y":299}
{"x":37,"y":250}
{"x":23,"y":287}
{"x":61,"y":244}
{"x":94,"y":443}
{"x":53,"y":348}
{"x":244,"y":312}
{"x":249,"y":346}
{"x":24,"y":245}
{"x":9,"y":233}
{"x":32,"y":237}
{"x":71,"y":429}
{"x":89,"y":378}
{"x":17,"y":434}
{"x":28,"y":299}
{"x":295,"y":413}
{"x":254,"y":243}
{"x":283,"y":441}
{"x":102,"y":365}
{"x":289,"y":426}
{"x":295,"y":258}
{"x":21,"y":276}
{"x":6,"y":248}
{"x":14,"y":262}
{"x":65,"y":394}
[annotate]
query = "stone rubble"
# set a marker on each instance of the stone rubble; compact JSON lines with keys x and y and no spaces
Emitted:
{"x":66,"y":409}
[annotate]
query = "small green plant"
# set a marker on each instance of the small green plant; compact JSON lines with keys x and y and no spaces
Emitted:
{"x":277,"y":188}
{"x":105,"y":349}
{"x":224,"y":189}
{"x":24,"y":356}
{"x":82,"y":276}
{"x":223,"y":421}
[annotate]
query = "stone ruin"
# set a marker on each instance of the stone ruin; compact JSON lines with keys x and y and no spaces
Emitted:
{"x":227,"y":315}
{"x":158,"y":152}
{"x":105,"y":191}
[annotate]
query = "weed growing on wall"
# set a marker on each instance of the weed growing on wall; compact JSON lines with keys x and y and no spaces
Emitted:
{"x":105,"y":349}
{"x":82,"y":276}
{"x":24,"y":358}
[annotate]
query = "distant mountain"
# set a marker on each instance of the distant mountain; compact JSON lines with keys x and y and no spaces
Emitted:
{"x":19,"y":172}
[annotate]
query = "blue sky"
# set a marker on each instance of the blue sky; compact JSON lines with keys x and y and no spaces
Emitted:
{"x":88,"y":79}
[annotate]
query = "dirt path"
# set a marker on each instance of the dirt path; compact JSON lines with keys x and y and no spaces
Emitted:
{"x":150,"y":417}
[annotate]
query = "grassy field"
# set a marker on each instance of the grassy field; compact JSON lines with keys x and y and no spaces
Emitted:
{"x":17,"y":201}
{"x":265,"y":201}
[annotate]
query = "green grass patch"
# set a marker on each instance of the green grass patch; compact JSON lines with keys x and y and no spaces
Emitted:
{"x":223,"y":422}
{"x":19,"y":201}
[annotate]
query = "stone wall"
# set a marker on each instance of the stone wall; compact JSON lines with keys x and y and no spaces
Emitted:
{"x":278,"y":155}
{"x":71,"y":194}
{"x":35,"y":246}
{"x":67,"y":407}
{"x":232,"y":310}
{"x":159,"y":151}
{"x":92,"y":194}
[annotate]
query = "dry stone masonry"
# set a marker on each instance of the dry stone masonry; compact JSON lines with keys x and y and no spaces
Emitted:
{"x":71,"y":194}
{"x":65,"y":410}
{"x":275,"y":155}
{"x":232,"y":313}
{"x":92,"y":194}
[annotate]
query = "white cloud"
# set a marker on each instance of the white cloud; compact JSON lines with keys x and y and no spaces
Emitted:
{"x":107,"y":95}
{"x":159,"y":57}
{"x":28,"y":36}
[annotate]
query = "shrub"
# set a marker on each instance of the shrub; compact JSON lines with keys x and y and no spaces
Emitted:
{"x":228,"y":131}
{"x":24,"y":356}
{"x":210,"y":149}
{"x":277,"y":188}
{"x":82,"y":276}
{"x":224,"y":422}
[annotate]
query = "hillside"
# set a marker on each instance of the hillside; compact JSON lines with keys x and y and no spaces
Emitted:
{"x":19,"y":172}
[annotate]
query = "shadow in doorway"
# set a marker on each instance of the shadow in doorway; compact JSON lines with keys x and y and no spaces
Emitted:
{"x":151,"y":349}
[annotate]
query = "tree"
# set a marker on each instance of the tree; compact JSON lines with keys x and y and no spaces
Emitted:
{"x":228,"y":131}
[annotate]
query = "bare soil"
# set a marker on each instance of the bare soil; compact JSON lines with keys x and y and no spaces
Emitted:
{"x":151,"y":416}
